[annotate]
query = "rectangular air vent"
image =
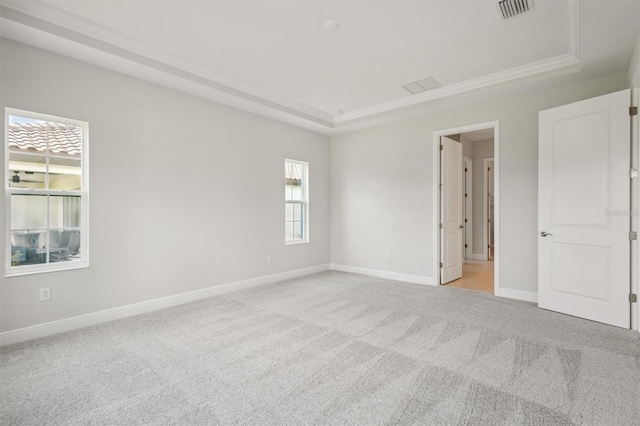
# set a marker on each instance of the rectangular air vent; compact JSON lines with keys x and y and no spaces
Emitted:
{"x":510,"y":8}
{"x":422,"y":86}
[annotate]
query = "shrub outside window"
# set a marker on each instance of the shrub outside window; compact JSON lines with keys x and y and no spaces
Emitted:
{"x":46,"y":191}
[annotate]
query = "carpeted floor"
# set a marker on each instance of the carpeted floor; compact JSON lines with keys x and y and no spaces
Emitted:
{"x":330,"y":348}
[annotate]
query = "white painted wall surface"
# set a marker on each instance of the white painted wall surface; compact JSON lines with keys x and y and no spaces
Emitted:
{"x":381,"y":185}
{"x":185,"y":194}
{"x":467,"y":146}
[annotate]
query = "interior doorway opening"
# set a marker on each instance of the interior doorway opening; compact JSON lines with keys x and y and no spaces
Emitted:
{"x":471,"y":263}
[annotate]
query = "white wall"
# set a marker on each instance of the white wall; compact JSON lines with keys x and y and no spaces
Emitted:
{"x":185,"y":194}
{"x":467,"y":146}
{"x":381,"y":185}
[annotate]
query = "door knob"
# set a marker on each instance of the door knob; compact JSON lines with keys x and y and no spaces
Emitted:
{"x":461,"y":226}
{"x":544,"y":234}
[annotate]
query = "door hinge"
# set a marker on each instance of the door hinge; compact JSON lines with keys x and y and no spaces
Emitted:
{"x":633,"y":298}
{"x":465,"y":195}
{"x":633,"y":173}
{"x":633,"y":235}
{"x":465,"y":221}
{"x":441,"y":265}
{"x":465,"y":246}
{"x":441,"y":147}
{"x":633,"y":110}
{"x":465,"y":170}
{"x":441,"y":226}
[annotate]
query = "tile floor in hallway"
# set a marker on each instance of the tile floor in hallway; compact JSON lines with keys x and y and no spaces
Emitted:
{"x":476,"y":275}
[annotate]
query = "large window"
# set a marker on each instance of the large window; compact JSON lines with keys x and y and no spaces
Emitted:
{"x":46,"y":187}
{"x":296,"y":202}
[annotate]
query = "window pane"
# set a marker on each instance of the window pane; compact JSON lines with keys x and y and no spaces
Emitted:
{"x":65,"y":174}
{"x":27,"y":247}
{"x":297,"y":230}
{"x":27,"y":171}
{"x":288,"y":231}
{"x":64,"y":140}
{"x":297,"y":212}
{"x":28,"y":212}
{"x":296,"y":191}
{"x":65,"y":245}
{"x":64,"y":212}
{"x":27,"y":135}
{"x":288,"y":212}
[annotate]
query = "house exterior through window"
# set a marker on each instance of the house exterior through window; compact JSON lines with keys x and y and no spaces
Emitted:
{"x":296,"y":202}
{"x":47,"y":195}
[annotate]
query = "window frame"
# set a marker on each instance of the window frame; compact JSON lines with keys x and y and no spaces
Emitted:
{"x":304,"y":202}
{"x":83,"y":194}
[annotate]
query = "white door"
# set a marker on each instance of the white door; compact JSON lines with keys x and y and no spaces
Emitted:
{"x":450,"y":210}
{"x":583,"y":208}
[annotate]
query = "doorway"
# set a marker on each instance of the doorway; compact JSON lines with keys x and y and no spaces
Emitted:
{"x":479,"y":206}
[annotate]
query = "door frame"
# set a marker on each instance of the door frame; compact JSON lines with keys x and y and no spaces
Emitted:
{"x":495,"y":125}
{"x":485,"y":205}
{"x":635,"y":206}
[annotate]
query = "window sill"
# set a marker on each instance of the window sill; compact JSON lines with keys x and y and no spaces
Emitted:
{"x":27,"y":270}
{"x":295,"y":242}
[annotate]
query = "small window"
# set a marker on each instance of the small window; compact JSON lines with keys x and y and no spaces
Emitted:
{"x":296,"y":202}
{"x":47,"y":194}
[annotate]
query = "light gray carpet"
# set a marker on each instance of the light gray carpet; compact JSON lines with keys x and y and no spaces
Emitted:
{"x":330,"y":348}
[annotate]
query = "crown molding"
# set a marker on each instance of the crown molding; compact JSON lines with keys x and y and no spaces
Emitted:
{"x":568,"y":62}
{"x":43,"y":26}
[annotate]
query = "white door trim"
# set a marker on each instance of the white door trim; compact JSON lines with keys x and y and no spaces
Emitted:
{"x":635,"y":189}
{"x":436,"y":195}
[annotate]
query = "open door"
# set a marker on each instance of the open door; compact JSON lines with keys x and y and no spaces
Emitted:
{"x":583,"y":209}
{"x":451,"y":227}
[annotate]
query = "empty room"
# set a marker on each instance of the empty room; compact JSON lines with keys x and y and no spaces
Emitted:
{"x":320,"y":212}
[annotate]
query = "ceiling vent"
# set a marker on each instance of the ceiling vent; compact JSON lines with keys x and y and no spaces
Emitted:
{"x":510,"y":8}
{"x":422,"y":86}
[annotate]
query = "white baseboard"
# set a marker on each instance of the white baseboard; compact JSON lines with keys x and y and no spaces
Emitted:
{"x":81,"y":321}
{"x":527,"y":296}
{"x":416,"y":279}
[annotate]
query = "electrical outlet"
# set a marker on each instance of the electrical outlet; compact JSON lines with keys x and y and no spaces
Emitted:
{"x":387,"y":256}
{"x":268,"y":258}
{"x":45,"y":294}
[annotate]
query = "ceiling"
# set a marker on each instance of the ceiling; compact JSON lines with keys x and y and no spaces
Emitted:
{"x":479,"y":135}
{"x":277,"y":58}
